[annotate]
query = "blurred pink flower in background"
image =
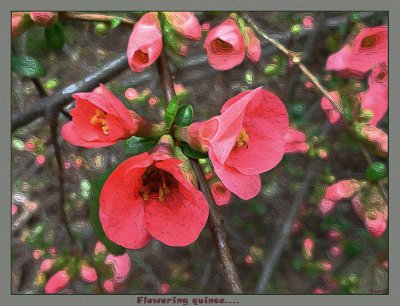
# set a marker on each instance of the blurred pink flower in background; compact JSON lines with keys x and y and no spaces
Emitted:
{"x":295,"y":141}
{"x":44,"y":18}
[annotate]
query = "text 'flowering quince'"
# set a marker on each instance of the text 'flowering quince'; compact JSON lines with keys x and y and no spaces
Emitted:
{"x":148,"y":196}
{"x":99,"y":120}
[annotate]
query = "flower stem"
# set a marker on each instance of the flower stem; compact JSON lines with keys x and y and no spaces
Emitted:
{"x":295,"y":57}
{"x":214,"y":219}
{"x":95,"y":17}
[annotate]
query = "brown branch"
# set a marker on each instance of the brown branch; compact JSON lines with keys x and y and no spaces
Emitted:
{"x":296,"y":59}
{"x":95,"y":17}
{"x":214,"y":218}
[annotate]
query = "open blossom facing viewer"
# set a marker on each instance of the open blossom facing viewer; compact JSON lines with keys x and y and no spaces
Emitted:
{"x":148,"y":196}
{"x":99,"y":120}
{"x":225,"y":46}
{"x":248,"y":138}
{"x":145,"y":43}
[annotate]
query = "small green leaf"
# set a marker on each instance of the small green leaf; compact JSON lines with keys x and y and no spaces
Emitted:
{"x":94,"y":206}
{"x":115,"y":22}
{"x":55,"y":37}
{"x":27,"y":66}
{"x":136,"y":145}
{"x":192,"y":153}
{"x":184,"y":116}
{"x":171,"y":111}
{"x":376,"y":172}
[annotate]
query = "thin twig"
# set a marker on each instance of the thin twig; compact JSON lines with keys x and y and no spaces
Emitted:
{"x":281,"y":235}
{"x":214,"y":219}
{"x":296,"y":58}
{"x":63,"y":97}
{"x":53,"y":121}
{"x":95,"y":17}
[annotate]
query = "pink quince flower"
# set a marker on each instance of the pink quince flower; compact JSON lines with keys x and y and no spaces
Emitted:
{"x":57,"y":282}
{"x":99,"y":120}
{"x":295,"y":141}
{"x":248,"y":138}
{"x":225,"y":46}
{"x":185,"y":23}
{"x":369,"y":48}
{"x":148,"y":196}
{"x":44,"y":18}
{"x":375,"y":98}
{"x":145,"y":43}
{"x":332,"y":114}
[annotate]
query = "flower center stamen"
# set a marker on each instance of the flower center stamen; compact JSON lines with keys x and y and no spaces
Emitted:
{"x":242,"y":139}
{"x":100,"y":118}
{"x":156,"y":181}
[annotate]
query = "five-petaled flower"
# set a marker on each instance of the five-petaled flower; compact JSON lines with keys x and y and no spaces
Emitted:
{"x":99,"y":120}
{"x":148,"y":196}
{"x":248,"y":138}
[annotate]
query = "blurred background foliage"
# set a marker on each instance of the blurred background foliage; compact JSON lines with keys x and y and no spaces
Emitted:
{"x":68,"y":51}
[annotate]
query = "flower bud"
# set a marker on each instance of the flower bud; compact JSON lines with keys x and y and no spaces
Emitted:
{"x":57,"y":282}
{"x":185,"y":23}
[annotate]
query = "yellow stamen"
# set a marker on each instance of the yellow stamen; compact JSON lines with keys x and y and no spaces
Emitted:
{"x":100,"y":118}
{"x":161,"y":195}
{"x":242,"y":139}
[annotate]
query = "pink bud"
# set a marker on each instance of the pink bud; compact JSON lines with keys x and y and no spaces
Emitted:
{"x":206,"y":26}
{"x":308,"y":85}
{"x":308,"y":246}
{"x":109,"y":286}
{"x":46,"y":265}
{"x":131,"y":93}
{"x":88,"y":273}
{"x":52,"y":251}
{"x":376,"y":136}
{"x":376,"y":223}
{"x":164,"y":288}
{"x":296,"y":226}
{"x":44,"y":18}
{"x":220,"y":193}
{"x":120,"y":265}
{"x":326,"y":206}
{"x":295,"y":141}
{"x":327,"y":107}
{"x":37,"y":254}
{"x":326,"y":265}
{"x":308,"y":22}
{"x":57,"y":282}
{"x":99,"y":248}
{"x":334,"y":235}
{"x":40,"y":159}
{"x":342,"y":190}
{"x":225,"y":46}
{"x":179,"y":88}
{"x":153,"y":101}
{"x":336,"y":250}
{"x":253,"y":45}
{"x":249,"y":259}
{"x":185,"y":23}
{"x":145,"y":42}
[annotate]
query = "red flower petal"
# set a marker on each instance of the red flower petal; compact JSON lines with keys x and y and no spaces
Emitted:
{"x":244,"y":186}
{"x":179,"y":220}
{"x":225,"y":46}
{"x":121,"y":207}
{"x":253,"y":45}
{"x":145,"y":43}
{"x":69,"y":134}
